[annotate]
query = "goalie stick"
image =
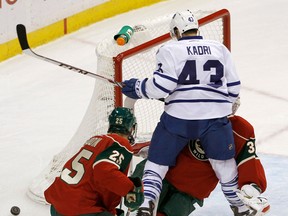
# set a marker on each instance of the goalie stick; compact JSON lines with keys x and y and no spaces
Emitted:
{"x":22,"y":38}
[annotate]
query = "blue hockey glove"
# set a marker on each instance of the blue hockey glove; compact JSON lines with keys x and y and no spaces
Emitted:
{"x":131,"y":88}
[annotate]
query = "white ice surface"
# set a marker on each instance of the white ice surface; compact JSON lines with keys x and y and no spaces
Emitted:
{"x":41,"y":105}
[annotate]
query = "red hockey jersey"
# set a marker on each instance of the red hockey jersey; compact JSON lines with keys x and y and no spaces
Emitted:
{"x":194,"y":175}
{"x":94,"y":179}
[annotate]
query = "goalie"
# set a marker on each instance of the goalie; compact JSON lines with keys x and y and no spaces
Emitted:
{"x":193,"y":179}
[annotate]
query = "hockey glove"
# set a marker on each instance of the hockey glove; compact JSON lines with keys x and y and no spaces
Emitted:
{"x":135,"y":197}
{"x":132,"y":88}
{"x":250,"y":195}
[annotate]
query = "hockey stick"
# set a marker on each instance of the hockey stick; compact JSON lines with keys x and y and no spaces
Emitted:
{"x":22,"y":38}
{"x":128,"y":212}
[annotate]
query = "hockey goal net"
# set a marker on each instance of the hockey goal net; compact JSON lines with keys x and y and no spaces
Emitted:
{"x":135,"y":59}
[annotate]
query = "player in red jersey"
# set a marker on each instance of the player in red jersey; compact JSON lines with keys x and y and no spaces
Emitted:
{"x":193,"y":179}
{"x":93,"y":181}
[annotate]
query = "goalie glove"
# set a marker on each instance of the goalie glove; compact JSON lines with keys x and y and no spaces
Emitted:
{"x":135,"y":198}
{"x":250,"y":196}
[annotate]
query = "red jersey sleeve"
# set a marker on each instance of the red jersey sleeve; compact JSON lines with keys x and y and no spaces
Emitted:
{"x":250,"y":169}
{"x":111,"y":179}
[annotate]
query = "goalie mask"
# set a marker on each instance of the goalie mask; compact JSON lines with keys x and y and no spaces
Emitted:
{"x":122,"y":121}
{"x":183,"y":21}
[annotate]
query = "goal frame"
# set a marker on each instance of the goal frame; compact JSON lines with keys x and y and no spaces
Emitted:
{"x":118,"y":60}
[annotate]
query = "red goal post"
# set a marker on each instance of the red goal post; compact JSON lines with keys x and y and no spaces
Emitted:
{"x":135,"y":59}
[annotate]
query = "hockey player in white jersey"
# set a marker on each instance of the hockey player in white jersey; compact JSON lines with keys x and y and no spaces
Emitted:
{"x":199,"y":82}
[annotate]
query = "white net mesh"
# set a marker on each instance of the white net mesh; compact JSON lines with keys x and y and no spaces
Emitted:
{"x":139,"y":65}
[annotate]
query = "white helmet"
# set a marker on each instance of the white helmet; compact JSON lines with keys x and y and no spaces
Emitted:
{"x":183,"y":21}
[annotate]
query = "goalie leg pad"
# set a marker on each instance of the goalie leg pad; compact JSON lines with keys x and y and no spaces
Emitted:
{"x":175,"y":203}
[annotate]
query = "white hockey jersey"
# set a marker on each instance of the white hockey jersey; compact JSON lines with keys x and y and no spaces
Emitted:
{"x":196,"y":77}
